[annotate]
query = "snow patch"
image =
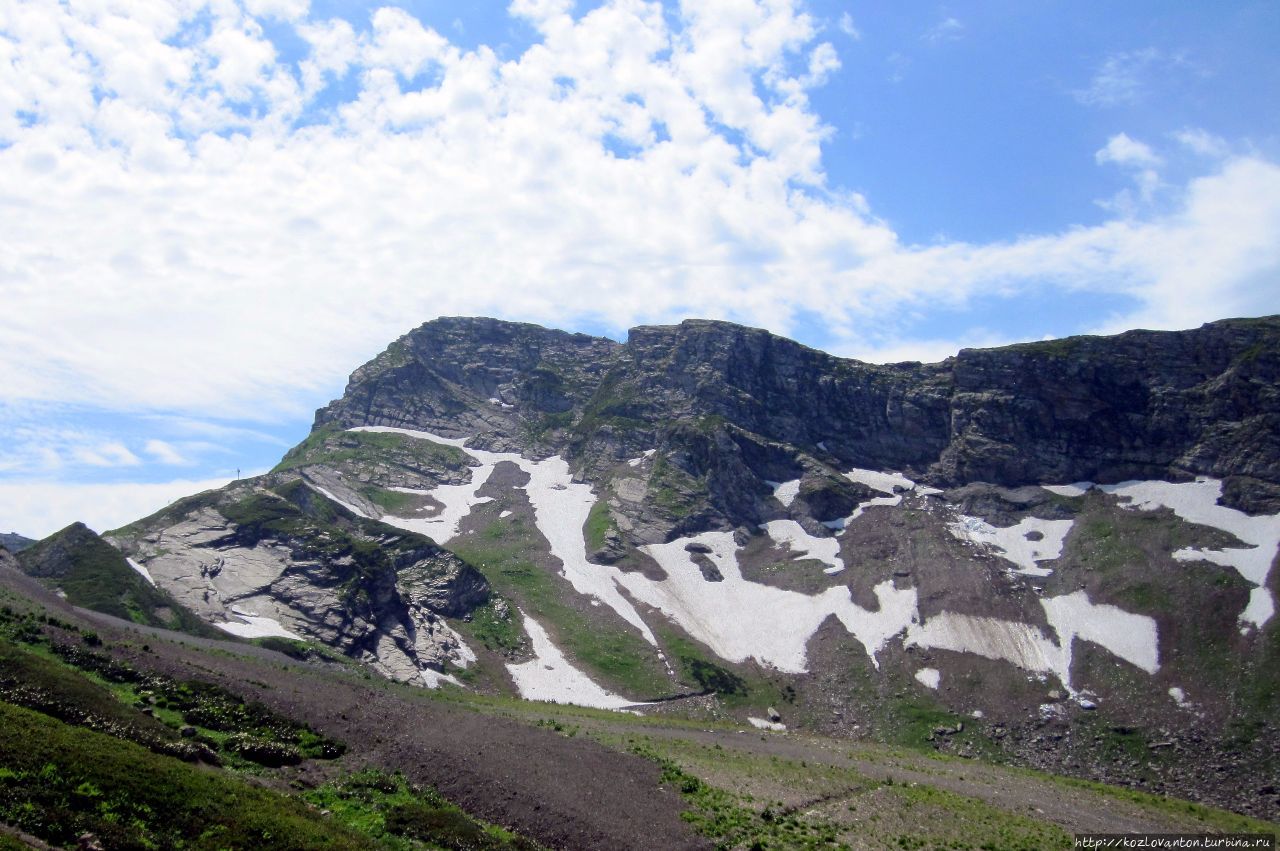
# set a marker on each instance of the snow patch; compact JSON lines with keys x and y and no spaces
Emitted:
{"x":785,"y":492}
{"x":252,"y":626}
{"x":636,"y":462}
{"x":504,"y":514}
{"x":790,"y":534}
{"x":881,"y":481}
{"x":762,"y":724}
{"x":146,"y":574}
{"x":549,"y":676}
{"x":1014,"y":542}
{"x":1197,"y":502}
{"x":1072,"y":490}
{"x":433,"y":678}
{"x":929,"y":677}
{"x":1129,"y":636}
{"x":1179,"y":697}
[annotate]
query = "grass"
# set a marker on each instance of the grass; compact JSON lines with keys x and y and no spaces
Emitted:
{"x":93,"y":574}
{"x":599,"y":524}
{"x":608,"y":649}
{"x":332,"y":446}
{"x":399,"y":815}
{"x":494,"y":626}
{"x":58,"y":782}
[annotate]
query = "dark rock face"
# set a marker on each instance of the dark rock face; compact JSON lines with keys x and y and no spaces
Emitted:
{"x":1140,"y":405}
{"x":728,"y":407}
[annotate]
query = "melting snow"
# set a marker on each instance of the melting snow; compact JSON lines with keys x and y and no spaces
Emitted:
{"x":253,"y":626}
{"x":1013,"y":541}
{"x":504,"y":514}
{"x":636,"y":462}
{"x":781,"y":621}
{"x":790,"y":534}
{"x":929,"y":677}
{"x":785,"y":492}
{"x":1179,"y":696}
{"x":146,"y":574}
{"x":550,"y":677}
{"x":762,"y":724}
{"x":1197,"y":502}
{"x":434,"y":678}
{"x":884,"y":482}
{"x":1077,"y":489}
{"x":1129,"y":636}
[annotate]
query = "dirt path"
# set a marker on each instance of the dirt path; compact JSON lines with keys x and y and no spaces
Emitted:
{"x":1076,"y":810}
{"x":564,"y":793}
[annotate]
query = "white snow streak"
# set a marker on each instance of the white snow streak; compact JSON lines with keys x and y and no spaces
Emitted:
{"x":549,"y":676}
{"x":929,"y":678}
{"x":790,"y":534}
{"x":785,"y":492}
{"x":146,"y":574}
{"x":1013,"y":543}
{"x":762,"y":724}
{"x":253,"y":626}
{"x":1197,"y":502}
{"x":1129,"y":636}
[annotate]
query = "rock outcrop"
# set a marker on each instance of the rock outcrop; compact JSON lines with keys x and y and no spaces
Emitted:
{"x":728,"y":407}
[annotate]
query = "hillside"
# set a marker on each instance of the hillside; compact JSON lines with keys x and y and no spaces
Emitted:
{"x":1057,"y":555}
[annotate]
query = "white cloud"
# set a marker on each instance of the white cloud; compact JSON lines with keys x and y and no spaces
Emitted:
{"x":37,"y":509}
{"x":1122,"y":150}
{"x":1124,"y":77}
{"x":1202,"y":142}
{"x":170,"y":247}
{"x":165,"y":453}
{"x":948,"y":29}
{"x":849,"y":28}
{"x":111,"y":454}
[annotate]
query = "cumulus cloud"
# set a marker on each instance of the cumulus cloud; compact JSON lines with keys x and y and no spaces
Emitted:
{"x":1122,"y":150}
{"x":219,"y":231}
{"x":37,"y":508}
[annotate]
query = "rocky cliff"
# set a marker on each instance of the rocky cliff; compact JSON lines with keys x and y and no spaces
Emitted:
{"x":730,"y":405}
{"x":1057,"y":553}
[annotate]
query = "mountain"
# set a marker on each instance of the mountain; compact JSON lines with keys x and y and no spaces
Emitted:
{"x":87,"y":571}
{"x":13,"y":542}
{"x":1056,"y":554}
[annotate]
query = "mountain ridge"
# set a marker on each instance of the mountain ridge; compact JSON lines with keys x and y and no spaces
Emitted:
{"x":721,"y":523}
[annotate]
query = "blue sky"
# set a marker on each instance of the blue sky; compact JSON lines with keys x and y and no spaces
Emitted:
{"x":216,"y":209}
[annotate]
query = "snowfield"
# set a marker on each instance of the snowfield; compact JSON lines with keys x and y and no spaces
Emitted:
{"x":1014,"y":543}
{"x":1197,"y":502}
{"x":549,"y":676}
{"x":782,"y":622}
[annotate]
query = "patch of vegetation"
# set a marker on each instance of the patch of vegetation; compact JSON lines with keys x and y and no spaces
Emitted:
{"x":961,"y":820}
{"x":93,"y":574}
{"x":332,"y":446}
{"x":730,"y":822}
{"x":400,"y":815}
{"x":733,"y":689}
{"x":493,"y":626}
{"x":674,"y":490}
{"x":911,"y":722}
{"x":599,"y":523}
{"x":503,"y":552}
{"x":59,"y":782}
{"x":391,"y":502}
{"x":80,"y":686}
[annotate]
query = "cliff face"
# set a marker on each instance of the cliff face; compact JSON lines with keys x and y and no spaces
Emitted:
{"x":722,"y":522}
{"x":720,"y":397}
